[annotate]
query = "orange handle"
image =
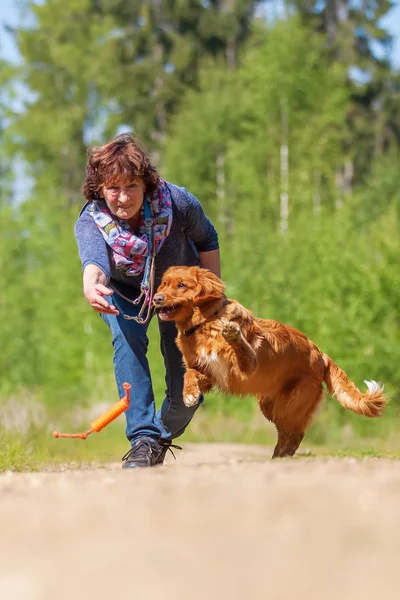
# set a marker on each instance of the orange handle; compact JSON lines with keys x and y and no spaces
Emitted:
{"x":114,"y":412}
{"x":111,"y":414}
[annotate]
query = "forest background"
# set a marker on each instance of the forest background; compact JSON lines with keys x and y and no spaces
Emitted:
{"x":283,"y":118}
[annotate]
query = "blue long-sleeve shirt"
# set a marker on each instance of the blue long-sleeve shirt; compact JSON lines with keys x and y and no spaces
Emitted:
{"x":191,"y":232}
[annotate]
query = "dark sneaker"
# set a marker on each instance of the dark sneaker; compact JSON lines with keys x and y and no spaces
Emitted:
{"x":166,"y":445}
{"x":145,"y":452}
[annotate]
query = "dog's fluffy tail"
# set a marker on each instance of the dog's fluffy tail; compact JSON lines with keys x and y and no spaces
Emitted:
{"x":370,"y":404}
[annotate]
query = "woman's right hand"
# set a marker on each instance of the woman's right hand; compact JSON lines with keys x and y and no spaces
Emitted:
{"x":94,"y":294}
{"x":94,"y":289}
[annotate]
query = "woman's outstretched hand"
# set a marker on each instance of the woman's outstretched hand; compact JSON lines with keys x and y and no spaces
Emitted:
{"x":95,"y":290}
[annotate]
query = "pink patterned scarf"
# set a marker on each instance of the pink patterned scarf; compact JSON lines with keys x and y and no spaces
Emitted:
{"x":129,"y":251}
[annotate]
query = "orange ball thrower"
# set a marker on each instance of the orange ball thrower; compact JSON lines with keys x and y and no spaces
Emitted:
{"x":111,"y":414}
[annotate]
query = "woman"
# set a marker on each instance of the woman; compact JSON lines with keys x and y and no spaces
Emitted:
{"x":135,"y":225}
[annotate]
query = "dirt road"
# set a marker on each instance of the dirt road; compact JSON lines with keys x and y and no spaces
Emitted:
{"x":221,"y":522}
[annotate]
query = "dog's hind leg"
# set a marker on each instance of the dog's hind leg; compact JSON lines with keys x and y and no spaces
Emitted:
{"x":266,"y":405}
{"x":288,"y":442}
{"x":294,"y":411}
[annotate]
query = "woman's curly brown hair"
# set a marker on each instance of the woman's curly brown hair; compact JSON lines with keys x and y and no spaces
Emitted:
{"x":120,"y":159}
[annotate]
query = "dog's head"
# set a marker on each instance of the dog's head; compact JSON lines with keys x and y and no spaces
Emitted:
{"x":183,"y":289}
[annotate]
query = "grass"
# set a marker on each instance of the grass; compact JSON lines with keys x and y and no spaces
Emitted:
{"x":37,"y":450}
{"x":38,"y":453}
{"x":335,"y":432}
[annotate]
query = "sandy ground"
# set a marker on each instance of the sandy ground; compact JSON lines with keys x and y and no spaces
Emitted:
{"x":223,"y":521}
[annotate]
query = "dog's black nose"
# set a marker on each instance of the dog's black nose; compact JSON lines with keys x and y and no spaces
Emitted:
{"x":158,"y":299}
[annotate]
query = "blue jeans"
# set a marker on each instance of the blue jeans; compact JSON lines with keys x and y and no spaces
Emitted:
{"x":130,"y":344}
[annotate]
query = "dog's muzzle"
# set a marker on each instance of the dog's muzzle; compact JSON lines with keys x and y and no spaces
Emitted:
{"x":158,"y":300}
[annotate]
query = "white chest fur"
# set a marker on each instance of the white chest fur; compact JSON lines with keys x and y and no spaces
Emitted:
{"x":216,"y":366}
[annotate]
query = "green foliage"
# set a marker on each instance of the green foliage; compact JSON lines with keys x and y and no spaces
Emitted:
{"x":238,"y":118}
{"x":356,"y":39}
{"x":333,"y":274}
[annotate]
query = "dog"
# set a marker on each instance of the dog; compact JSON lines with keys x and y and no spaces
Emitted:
{"x":224,"y":346}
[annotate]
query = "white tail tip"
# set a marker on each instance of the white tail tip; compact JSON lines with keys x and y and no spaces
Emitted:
{"x":373,"y":386}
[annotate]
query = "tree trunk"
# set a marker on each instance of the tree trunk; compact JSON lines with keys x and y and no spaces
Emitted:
{"x":284,"y":195}
{"x":317,"y":192}
{"x":348,"y":177}
{"x":339,"y":188}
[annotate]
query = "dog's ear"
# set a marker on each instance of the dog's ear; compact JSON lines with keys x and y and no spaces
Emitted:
{"x":209,"y":287}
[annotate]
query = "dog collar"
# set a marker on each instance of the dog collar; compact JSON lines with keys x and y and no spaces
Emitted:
{"x":190,"y":331}
{"x":193,"y":329}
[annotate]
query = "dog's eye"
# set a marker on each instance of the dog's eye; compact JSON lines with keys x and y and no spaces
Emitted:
{"x":181,"y":285}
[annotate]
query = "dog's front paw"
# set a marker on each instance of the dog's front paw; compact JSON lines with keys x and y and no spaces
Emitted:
{"x":190,"y":400}
{"x":230,"y":331}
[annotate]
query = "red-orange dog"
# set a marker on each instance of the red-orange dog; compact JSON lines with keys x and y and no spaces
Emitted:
{"x":223,"y":345}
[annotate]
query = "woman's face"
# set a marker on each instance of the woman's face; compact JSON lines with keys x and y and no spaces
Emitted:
{"x":124,"y":198}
